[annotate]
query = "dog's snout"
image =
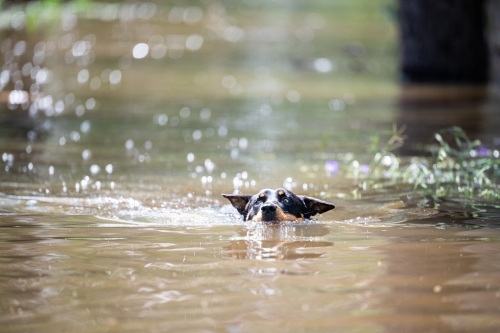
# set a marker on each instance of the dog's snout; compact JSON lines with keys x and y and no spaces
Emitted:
{"x":268,"y":209}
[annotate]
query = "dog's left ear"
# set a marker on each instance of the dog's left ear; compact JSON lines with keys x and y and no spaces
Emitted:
{"x":239,"y":201}
{"x":315,"y":206}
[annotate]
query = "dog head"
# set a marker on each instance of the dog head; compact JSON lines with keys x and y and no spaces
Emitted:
{"x":277,"y":205}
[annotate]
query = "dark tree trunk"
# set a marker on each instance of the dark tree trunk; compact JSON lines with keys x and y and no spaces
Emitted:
{"x":443,"y":41}
{"x":493,"y":9}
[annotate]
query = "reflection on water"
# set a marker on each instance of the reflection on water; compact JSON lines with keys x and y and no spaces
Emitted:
{"x":282,"y":242}
{"x":295,"y":277}
{"x":430,"y":109}
{"x":121,"y":124}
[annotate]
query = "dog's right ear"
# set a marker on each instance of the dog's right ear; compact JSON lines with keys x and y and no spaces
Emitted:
{"x":239,"y":201}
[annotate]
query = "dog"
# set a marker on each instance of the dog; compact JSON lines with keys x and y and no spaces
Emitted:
{"x":277,"y":206}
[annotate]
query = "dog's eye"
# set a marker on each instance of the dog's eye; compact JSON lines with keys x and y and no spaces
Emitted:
{"x":286,"y":200}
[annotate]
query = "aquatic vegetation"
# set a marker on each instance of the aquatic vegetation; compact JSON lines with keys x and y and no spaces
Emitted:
{"x":459,"y":167}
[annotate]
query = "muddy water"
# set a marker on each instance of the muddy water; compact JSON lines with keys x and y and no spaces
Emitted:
{"x":84,"y":274}
{"x":110,"y":209}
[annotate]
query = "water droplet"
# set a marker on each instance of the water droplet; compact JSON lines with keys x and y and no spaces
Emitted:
{"x":94,"y":169}
{"x":86,"y":154}
{"x":205,"y":114}
{"x":83,"y":76}
{"x":18,"y":20}
{"x":209,"y":165}
{"x":81,"y":48}
{"x":18,"y":97}
{"x":197,"y":134}
{"x":323,"y":65}
{"x":194,"y":42}
{"x":84,"y":182}
{"x":19,"y":48}
{"x":161,"y":119}
{"x":115,"y":76}
{"x":243,"y":143}
{"x":140,"y":51}
{"x":185,"y":112}
{"x":85,"y":126}
{"x":75,"y":136}
{"x":59,"y":107}
{"x":129,"y":144}
{"x":109,"y":168}
{"x":222,"y":131}
{"x":90,"y":103}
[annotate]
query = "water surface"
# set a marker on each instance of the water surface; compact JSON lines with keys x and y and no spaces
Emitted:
{"x":111,"y":217}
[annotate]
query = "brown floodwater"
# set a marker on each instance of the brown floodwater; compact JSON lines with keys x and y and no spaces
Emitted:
{"x":121,"y":125}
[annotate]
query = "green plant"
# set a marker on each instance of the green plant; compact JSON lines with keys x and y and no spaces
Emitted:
{"x":459,"y":167}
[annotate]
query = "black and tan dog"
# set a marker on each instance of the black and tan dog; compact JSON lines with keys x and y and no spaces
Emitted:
{"x":277,"y":206}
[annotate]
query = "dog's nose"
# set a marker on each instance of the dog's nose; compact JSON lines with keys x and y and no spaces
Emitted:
{"x":268,"y":209}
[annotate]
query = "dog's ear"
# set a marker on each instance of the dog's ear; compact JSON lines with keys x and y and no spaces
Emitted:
{"x":315,"y":206}
{"x":239,"y":201}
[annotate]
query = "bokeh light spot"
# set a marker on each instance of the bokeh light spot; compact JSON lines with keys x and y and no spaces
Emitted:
{"x":140,"y":51}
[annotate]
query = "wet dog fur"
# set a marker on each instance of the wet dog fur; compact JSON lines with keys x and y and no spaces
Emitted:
{"x":277,"y":206}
